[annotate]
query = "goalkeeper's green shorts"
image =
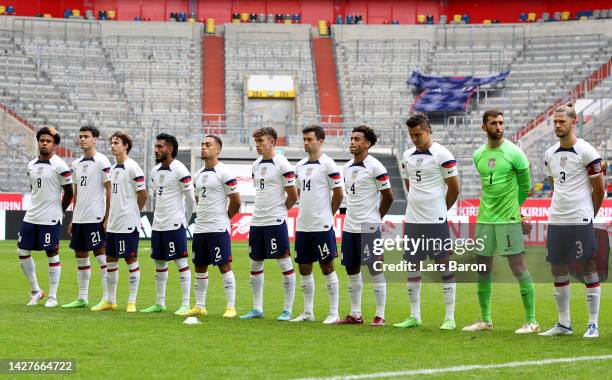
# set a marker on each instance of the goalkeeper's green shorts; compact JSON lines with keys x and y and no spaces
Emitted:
{"x":503,"y":239}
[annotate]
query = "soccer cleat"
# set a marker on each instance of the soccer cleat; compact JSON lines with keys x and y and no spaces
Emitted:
{"x":51,"y":302}
{"x":196,"y":311}
{"x":528,"y":328}
{"x":478,"y":326}
{"x":592,"y":331}
{"x":157,"y":308}
{"x":285,"y":316}
{"x":254,"y":313}
{"x":131,"y":308}
{"x":409,"y":323}
{"x":36,"y":296}
{"x":230,"y":312}
{"x":558,"y":329}
{"x":304,"y":317}
{"x":350,"y":320}
{"x":448,"y":324}
{"x":331,"y":319}
{"x":378,"y":321}
{"x":183,"y":310}
{"x":104,"y":306}
{"x":76,"y":304}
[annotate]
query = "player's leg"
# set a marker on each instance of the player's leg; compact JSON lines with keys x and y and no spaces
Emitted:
{"x":80,"y":247}
{"x":379,"y":283}
{"x":412,"y":232}
{"x":50,"y":234}
{"x":449,"y":290}
{"x":304,"y":256}
{"x":257,"y":254}
{"x":229,"y":285}
{"x":100,"y":256}
{"x":593,"y":295}
{"x":201,"y":260}
{"x":276,"y":239}
{"x":25,"y":244}
{"x":518,"y":265}
{"x":351,"y":259}
{"x":130,"y":242}
{"x":112,"y":273}
{"x":159,"y":255}
{"x":176,"y":242}
{"x":328,"y":251}
{"x":485,"y":233}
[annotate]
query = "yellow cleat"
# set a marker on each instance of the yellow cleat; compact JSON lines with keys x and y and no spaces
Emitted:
{"x":230,"y":312}
{"x":104,"y":306}
{"x":197,"y":311}
{"x":131,"y":308}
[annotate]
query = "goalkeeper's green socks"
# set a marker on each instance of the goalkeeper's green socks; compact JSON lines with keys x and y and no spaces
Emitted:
{"x":484,"y":296}
{"x":528,"y":295}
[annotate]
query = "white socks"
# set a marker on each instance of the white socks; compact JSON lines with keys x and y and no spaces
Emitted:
{"x":355,"y":288}
{"x":414,"y":294}
{"x":101,"y":259}
{"x":257,"y":283}
{"x":161,"y":278}
{"x":229,"y":285}
{"x":562,"y":299}
{"x":184,"y":280}
{"x":112,"y":269}
{"x":29,"y":268}
{"x":83,"y":275}
{"x":134,"y":281}
{"x":308,"y":288}
{"x":55,"y":270}
{"x":288,"y":281}
{"x":201,"y":286}
{"x":333,"y":292}
{"x":380,"y":294}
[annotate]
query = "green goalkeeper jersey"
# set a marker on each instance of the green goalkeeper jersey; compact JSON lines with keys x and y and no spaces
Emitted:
{"x":504,"y":174}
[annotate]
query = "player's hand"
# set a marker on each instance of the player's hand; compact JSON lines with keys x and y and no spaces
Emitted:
{"x":70,"y":229}
{"x":527,"y":227}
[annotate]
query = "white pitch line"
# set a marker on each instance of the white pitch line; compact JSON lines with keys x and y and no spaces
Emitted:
{"x":463,"y":368}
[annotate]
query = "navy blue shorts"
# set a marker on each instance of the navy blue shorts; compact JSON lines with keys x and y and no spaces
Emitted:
{"x":169,"y":245}
{"x":212,"y":248}
{"x":87,"y":237}
{"x":268,"y":242}
{"x":315,"y":246}
{"x":426,"y":240}
{"x":566,"y":244}
{"x":358,"y":248}
{"x":39,"y":237}
{"x":122,"y":245}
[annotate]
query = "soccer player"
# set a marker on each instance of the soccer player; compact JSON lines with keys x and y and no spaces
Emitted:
{"x":575,"y":173}
{"x":92,"y":190}
{"x":47,"y":175}
{"x":369,"y":197}
{"x":174,"y":204}
{"x":214,"y":185}
{"x":275,"y":194}
{"x":504,"y":176}
{"x":128,"y":197}
{"x":320,"y":190}
{"x":431,"y":177}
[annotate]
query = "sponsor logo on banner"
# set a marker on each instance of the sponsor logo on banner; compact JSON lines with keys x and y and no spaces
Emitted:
{"x":11,"y":201}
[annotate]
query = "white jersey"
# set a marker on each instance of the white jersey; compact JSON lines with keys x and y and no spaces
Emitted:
{"x":89,"y":175}
{"x":124,"y":215}
{"x":212,"y":188}
{"x":363,"y":183}
{"x":169,"y":184}
{"x":46,"y":179}
{"x":315,"y":180}
{"x":571,"y":169}
{"x":427,"y":173}
{"x":270,"y":177}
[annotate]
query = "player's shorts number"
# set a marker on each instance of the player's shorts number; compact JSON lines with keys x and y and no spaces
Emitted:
{"x":47,"y":238}
{"x":273,"y":244}
{"x":171,"y":247}
{"x":579,"y":249}
{"x":121,"y":246}
{"x":217,"y":254}
{"x":95,"y":237}
{"x":323,"y":251}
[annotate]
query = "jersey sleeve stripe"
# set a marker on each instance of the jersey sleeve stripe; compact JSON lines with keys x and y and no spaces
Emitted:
{"x":67,"y":173}
{"x":449,"y":164}
{"x":106,"y":170}
{"x":139,"y":179}
{"x":594,"y":167}
{"x":289,"y":175}
{"x":383,"y":177}
{"x":334,"y":175}
{"x":231,"y":182}
{"x":185,"y":179}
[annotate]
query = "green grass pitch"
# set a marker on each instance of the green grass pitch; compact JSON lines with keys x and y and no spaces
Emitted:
{"x":122,"y":345}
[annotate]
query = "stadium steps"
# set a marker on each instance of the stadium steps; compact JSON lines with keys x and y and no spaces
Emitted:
{"x":389,"y":161}
{"x":327,"y":80}
{"x":213,"y":76}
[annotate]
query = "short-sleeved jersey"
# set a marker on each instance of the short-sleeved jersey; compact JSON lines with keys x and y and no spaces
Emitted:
{"x":169,"y":184}
{"x":571,"y":169}
{"x":427,"y":173}
{"x":212,"y":187}
{"x":46,"y":178}
{"x":498,"y":169}
{"x":270,"y":177}
{"x":126,"y":180}
{"x":363,"y":182}
{"x":315,"y":180}
{"x":89,"y":175}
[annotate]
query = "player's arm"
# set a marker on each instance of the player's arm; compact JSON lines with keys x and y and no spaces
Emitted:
{"x":288,"y":180}
{"x":452,"y":191}
{"x":107,"y":189}
{"x":234,"y":205}
{"x":190,"y":203}
{"x":74,"y":200}
{"x":598,"y":194}
{"x":292,"y":196}
{"x":141,"y":198}
{"x":385,"y":201}
{"x":551,"y":180}
{"x":337,"y":196}
{"x":407,"y":184}
{"x":68,"y":194}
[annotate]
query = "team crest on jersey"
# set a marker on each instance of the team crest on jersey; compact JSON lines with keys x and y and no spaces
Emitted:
{"x":39,"y":170}
{"x":116,"y":175}
{"x":85,"y":167}
{"x":563,"y":162}
{"x":161,"y":178}
{"x":309,"y":171}
{"x":419,"y":162}
{"x":491,"y":163}
{"x":263,"y":171}
{"x":354,"y":174}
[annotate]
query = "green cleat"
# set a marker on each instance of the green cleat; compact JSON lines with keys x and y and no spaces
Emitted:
{"x":99,"y":305}
{"x":154,"y":309}
{"x":409,"y":323}
{"x":183,"y":310}
{"x":448,"y":324}
{"x":78,"y":303}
